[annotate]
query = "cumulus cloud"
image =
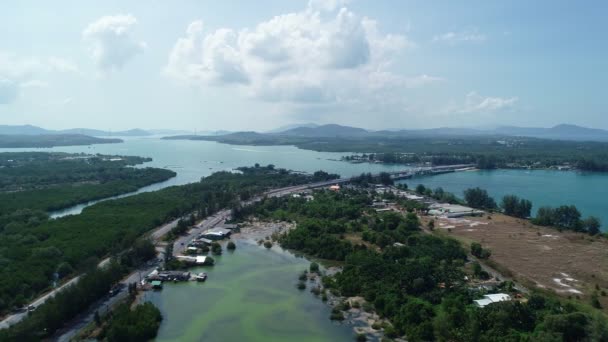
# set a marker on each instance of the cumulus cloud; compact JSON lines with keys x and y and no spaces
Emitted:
{"x":475,"y":103}
{"x":326,"y":5}
{"x":18,"y":72}
{"x":110,"y":42}
{"x":324,"y":53}
{"x":8,"y":91}
{"x":422,"y":80}
{"x":466,"y":36}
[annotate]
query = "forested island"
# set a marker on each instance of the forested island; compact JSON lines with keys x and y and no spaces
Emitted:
{"x":487,"y":152}
{"x":51,"y":140}
{"x":39,"y":181}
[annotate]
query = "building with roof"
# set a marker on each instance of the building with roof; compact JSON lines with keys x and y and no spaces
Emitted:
{"x":452,"y":210}
{"x":492,"y":298}
{"x":216,"y":234}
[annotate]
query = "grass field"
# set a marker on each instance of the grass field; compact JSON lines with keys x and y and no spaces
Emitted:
{"x":566,"y":263}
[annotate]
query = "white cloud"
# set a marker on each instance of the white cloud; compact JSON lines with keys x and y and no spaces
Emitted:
{"x":324,"y":53}
{"x":20,"y":67}
{"x":18,"y":72}
{"x":475,"y":103}
{"x":8,"y":91}
{"x":110,"y":42}
{"x":34,"y":84}
{"x":326,"y":5}
{"x":466,"y":36}
{"x":422,"y":80}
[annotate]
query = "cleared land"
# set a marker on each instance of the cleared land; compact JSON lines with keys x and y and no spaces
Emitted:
{"x":570,"y":264}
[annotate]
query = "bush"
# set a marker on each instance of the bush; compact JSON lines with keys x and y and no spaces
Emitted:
{"x":139,"y":324}
{"x":231,"y":246}
{"x":336,"y":315}
{"x":268,"y":244}
{"x":314,"y":267}
{"x":216,"y":248}
{"x":301,"y":285}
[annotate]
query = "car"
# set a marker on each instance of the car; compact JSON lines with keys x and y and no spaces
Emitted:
{"x":31,"y":308}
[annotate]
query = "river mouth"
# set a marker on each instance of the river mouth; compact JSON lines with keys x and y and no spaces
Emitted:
{"x":250,"y":295}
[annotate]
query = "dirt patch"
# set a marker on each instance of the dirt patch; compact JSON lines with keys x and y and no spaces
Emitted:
{"x":255,"y":229}
{"x":567,"y":263}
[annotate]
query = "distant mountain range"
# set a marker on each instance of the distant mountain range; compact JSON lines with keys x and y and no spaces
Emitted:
{"x":51,"y":140}
{"x":311,"y":130}
{"x":34,"y":130}
{"x":559,"y":132}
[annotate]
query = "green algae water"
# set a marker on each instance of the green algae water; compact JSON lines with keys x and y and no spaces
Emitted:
{"x":250,"y":295}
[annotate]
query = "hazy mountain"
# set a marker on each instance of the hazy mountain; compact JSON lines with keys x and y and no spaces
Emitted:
{"x":99,"y":133}
{"x":51,"y":140}
{"x":23,"y":129}
{"x":292,"y":126}
{"x":326,"y":131}
{"x":433,"y":132}
{"x":34,"y":130}
{"x":559,"y":132}
{"x":168,"y":131}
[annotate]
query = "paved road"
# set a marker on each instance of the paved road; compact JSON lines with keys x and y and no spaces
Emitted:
{"x":103,"y":305}
{"x":161,"y":231}
{"x":17,"y":317}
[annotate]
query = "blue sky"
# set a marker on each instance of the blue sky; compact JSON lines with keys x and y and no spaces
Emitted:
{"x":210,"y":65}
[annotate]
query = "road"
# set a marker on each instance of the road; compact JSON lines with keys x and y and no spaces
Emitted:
{"x":17,"y":317}
{"x":179,"y":245}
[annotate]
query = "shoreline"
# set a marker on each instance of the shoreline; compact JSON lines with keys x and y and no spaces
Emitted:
{"x":362,"y":321}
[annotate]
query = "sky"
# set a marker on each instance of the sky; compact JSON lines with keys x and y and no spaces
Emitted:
{"x":257,"y":65}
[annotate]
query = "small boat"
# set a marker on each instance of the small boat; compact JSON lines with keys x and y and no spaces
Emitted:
{"x":201,"y":277}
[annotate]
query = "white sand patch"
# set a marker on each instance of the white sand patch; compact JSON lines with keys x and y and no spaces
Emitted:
{"x":568,"y":283}
{"x":575,"y":291}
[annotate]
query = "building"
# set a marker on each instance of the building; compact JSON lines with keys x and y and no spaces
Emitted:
{"x":157,"y":284}
{"x":492,"y":298}
{"x":334,"y":187}
{"x":200,"y":242}
{"x":196,"y":260}
{"x":216,"y":234}
{"x":452,"y":210}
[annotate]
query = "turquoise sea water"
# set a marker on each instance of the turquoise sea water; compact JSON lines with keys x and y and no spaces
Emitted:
{"x":587,"y":191}
{"x":195,"y":159}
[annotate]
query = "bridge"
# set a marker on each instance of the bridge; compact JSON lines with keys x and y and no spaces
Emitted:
{"x":409,"y":173}
{"x":429,"y":170}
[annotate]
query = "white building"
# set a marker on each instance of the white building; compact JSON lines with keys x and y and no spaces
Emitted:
{"x":492,"y":298}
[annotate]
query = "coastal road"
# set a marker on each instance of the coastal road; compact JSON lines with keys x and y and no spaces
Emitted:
{"x":179,"y":246}
{"x":17,"y":317}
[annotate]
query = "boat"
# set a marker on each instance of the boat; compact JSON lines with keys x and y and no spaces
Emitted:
{"x":201,"y":276}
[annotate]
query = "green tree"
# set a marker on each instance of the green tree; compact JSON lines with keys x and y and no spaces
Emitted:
{"x":420,"y":189}
{"x":479,"y":198}
{"x":592,"y":225}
